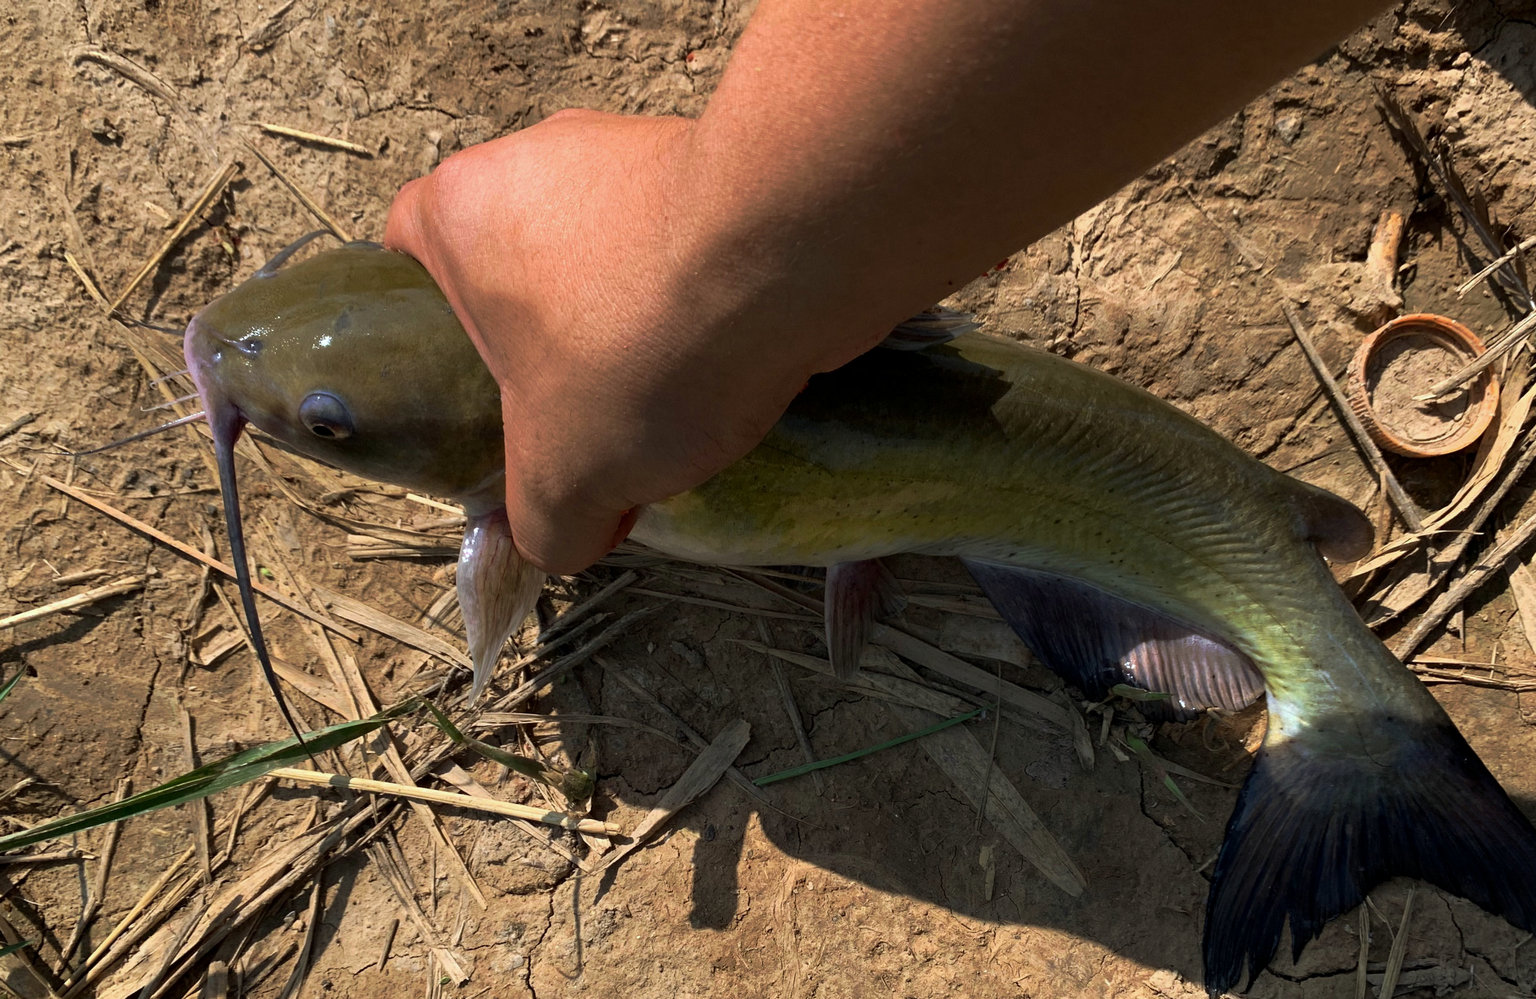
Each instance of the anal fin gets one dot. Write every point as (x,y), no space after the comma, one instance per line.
(497,590)
(1096,640)
(858,594)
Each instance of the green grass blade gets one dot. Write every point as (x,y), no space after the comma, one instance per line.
(806,768)
(1151,759)
(211,778)
(1138,695)
(532,769)
(15,948)
(577,786)
(448,728)
(9,684)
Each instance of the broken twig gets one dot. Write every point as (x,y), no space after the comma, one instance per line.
(453,798)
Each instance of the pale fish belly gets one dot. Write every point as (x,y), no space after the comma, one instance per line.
(660,527)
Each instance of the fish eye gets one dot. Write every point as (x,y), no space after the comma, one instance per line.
(326,416)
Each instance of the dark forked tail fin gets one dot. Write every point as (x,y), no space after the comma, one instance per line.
(1314,831)
(1348,800)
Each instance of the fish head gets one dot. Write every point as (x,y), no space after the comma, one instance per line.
(353,357)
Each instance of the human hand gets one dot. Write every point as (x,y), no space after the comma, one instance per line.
(576,256)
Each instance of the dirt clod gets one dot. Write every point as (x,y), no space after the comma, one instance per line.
(1405,369)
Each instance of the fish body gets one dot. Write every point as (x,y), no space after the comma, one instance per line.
(988,450)
(1123,540)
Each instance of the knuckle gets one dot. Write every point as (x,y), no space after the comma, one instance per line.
(449,177)
(572,114)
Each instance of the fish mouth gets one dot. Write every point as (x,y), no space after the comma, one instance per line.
(204,352)
(195,347)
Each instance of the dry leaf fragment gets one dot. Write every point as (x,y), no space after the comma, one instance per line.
(701,775)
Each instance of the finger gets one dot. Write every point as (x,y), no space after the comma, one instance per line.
(627,521)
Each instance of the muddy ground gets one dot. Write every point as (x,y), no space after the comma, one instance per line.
(876,881)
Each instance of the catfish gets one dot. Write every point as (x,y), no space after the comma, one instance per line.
(1123,540)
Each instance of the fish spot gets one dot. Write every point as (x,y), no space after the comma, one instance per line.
(343,321)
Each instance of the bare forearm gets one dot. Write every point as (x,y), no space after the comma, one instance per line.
(871,156)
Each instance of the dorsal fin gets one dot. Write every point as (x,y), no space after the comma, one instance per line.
(1096,640)
(929,328)
(1335,525)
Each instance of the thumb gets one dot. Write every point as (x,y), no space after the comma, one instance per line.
(566,539)
(560,530)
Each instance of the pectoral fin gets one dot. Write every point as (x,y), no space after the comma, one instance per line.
(497,590)
(858,594)
(1096,640)
(929,329)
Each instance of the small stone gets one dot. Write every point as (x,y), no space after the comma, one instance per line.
(1288,127)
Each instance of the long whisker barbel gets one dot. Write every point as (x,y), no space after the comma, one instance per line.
(169,403)
(193,418)
(165,378)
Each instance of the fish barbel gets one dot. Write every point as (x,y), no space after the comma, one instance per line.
(1123,540)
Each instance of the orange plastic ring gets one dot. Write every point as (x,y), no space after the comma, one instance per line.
(1404,360)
